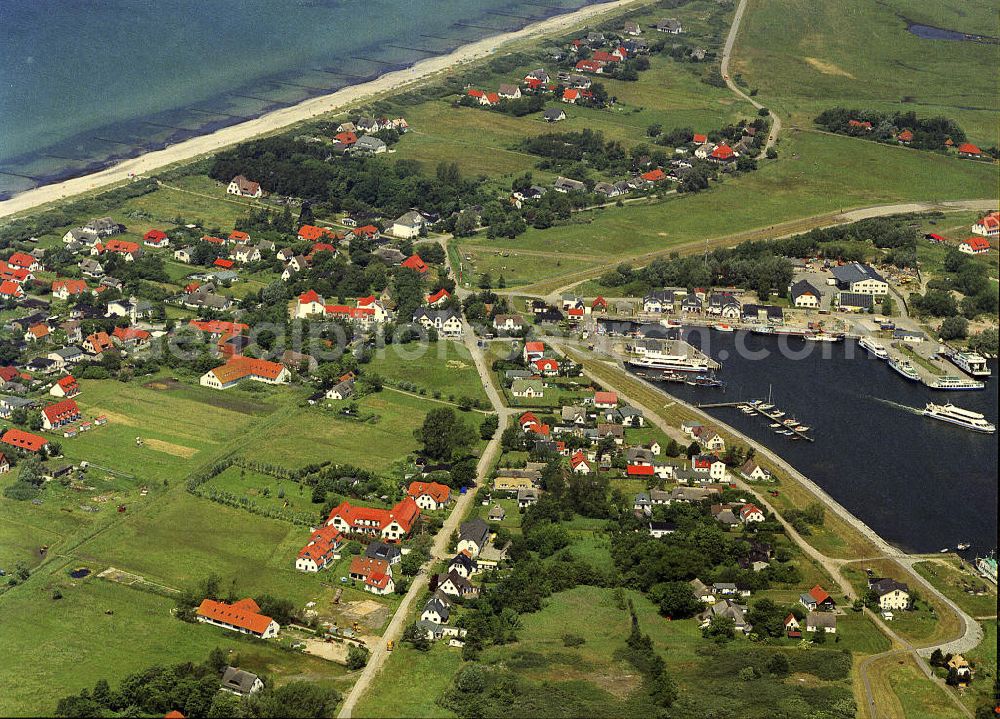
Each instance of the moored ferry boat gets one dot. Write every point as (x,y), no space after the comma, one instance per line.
(874,348)
(824,337)
(670,364)
(952,382)
(970,362)
(958,416)
(723,327)
(904,368)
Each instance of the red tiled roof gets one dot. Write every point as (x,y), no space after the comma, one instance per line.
(240,367)
(438,296)
(239,236)
(365,566)
(74,287)
(967,148)
(819,594)
(126,334)
(68,382)
(905,136)
(10,289)
(546,364)
(313,233)
(21,259)
(100,341)
(61,411)
(723,152)
(977,243)
(347,138)
(605,397)
(244,614)
(640,470)
(534,346)
(654,175)
(599,302)
(526,418)
(365,230)
(700,139)
(154,236)
(473,92)
(438,492)
(23,440)
(224,263)
(219,327)
(122,247)
(213,240)
(415,263)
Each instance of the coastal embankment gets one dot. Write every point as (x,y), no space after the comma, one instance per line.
(285,117)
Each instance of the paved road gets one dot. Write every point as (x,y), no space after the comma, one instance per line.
(971,632)
(439,549)
(727,52)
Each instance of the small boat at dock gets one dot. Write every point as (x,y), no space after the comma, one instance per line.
(874,348)
(903,367)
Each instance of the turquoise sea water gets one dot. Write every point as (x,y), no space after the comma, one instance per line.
(83,82)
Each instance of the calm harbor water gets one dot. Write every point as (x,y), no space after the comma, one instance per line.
(82,84)
(920,483)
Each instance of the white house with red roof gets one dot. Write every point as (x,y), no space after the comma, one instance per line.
(817,598)
(533,351)
(988,225)
(156,238)
(414,262)
(605,400)
(321,550)
(10,290)
(438,298)
(579,463)
(65,288)
(59,414)
(430,495)
(709,464)
(240,368)
(750,513)
(24,261)
(390,525)
(243,616)
(975,246)
(546,366)
(65,387)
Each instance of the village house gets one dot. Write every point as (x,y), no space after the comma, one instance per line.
(156,238)
(508,323)
(65,387)
(988,225)
(447,322)
(825,622)
(64,289)
(753,472)
(527,388)
(974,246)
(858,278)
(430,495)
(437,610)
(709,464)
(375,574)
(389,525)
(408,225)
(386,552)
(817,599)
(750,513)
(455,585)
(241,683)
(727,609)
(59,414)
(244,188)
(320,551)
(24,440)
(440,297)
(671,26)
(243,616)
(238,369)
(342,390)
(463,565)
(805,295)
(890,593)
(473,536)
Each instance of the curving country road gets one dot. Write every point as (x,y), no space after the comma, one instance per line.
(727,52)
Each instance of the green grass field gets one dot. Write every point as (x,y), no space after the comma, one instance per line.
(103,630)
(972,594)
(443,367)
(804,57)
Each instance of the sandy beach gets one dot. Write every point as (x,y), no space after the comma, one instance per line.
(284,117)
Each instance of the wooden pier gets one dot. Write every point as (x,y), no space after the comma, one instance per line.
(774,418)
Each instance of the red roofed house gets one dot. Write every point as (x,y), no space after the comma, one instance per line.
(605,400)
(64,289)
(438,298)
(37,332)
(310,303)
(369,231)
(156,238)
(213,240)
(818,598)
(722,153)
(492,98)
(533,351)
(129,250)
(311,233)
(375,573)
(223,263)
(570,95)
(239,236)
(656,175)
(988,226)
(24,440)
(967,149)
(320,550)
(390,525)
(975,246)
(430,495)
(414,262)
(60,413)
(478,95)
(860,124)
(905,137)
(641,470)
(24,261)
(751,513)
(130,337)
(590,66)
(546,366)
(66,387)
(239,368)
(699,139)
(599,303)
(346,138)
(243,616)
(17,274)
(579,463)
(604,57)
(527,419)
(10,290)
(96,343)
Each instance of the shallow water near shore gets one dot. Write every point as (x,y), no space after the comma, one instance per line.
(84,84)
(921,484)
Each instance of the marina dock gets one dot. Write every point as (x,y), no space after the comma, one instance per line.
(775,415)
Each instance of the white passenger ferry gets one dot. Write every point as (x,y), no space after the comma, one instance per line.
(874,348)
(962,417)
